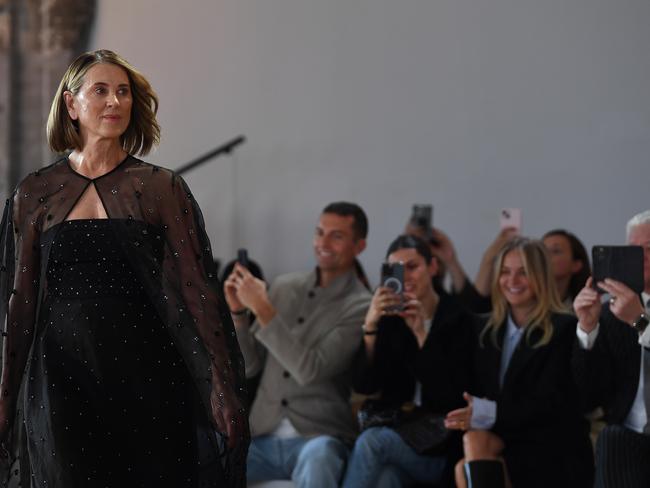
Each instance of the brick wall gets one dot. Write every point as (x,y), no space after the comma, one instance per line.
(47,35)
(4,95)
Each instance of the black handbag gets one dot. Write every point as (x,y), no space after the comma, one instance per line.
(423,431)
(374,413)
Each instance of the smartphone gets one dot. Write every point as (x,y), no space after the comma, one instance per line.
(511,217)
(392,277)
(422,217)
(242,258)
(620,263)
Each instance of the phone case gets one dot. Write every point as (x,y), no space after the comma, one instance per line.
(511,217)
(242,257)
(423,217)
(392,277)
(620,263)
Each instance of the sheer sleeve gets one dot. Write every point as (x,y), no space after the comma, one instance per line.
(19,241)
(191,267)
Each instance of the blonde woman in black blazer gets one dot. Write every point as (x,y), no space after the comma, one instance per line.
(523,412)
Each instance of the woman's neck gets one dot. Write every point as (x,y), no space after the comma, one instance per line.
(430,303)
(520,315)
(97,159)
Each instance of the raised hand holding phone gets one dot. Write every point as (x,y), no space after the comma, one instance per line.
(392,277)
(242,258)
(422,218)
(511,219)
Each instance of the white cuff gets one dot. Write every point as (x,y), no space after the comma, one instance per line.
(484,413)
(585,339)
(644,339)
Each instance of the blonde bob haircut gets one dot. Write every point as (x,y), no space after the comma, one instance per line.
(540,279)
(143,130)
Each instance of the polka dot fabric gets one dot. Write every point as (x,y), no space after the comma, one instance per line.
(158,250)
(105,377)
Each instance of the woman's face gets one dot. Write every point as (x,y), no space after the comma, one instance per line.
(514,283)
(102,106)
(417,274)
(561,257)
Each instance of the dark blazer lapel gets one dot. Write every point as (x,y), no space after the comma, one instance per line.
(493,358)
(522,354)
(444,316)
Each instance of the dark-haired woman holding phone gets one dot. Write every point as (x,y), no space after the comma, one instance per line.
(415,358)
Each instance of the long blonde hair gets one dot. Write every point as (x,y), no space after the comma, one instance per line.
(540,279)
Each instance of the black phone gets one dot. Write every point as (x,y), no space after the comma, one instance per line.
(392,277)
(242,258)
(422,217)
(620,263)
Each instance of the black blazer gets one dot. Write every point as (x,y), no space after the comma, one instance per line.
(441,366)
(538,412)
(608,374)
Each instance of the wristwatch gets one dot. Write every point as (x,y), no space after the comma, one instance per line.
(641,322)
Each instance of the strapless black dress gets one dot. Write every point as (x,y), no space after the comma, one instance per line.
(109,401)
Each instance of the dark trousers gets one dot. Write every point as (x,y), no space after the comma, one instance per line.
(622,458)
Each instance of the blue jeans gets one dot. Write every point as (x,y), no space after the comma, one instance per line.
(381,459)
(316,462)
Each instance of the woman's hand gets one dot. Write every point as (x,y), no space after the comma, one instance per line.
(230,292)
(383,301)
(461,418)
(443,249)
(413,315)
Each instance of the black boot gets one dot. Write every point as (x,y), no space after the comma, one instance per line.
(485,474)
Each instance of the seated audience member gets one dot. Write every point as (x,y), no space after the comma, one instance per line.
(476,295)
(569,262)
(256,270)
(414,356)
(523,409)
(612,367)
(303,341)
(414,228)
(442,250)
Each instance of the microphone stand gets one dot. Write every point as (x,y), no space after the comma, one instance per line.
(225,149)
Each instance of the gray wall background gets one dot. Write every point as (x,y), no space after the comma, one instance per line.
(471,105)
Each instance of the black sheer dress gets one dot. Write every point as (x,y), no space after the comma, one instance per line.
(128,344)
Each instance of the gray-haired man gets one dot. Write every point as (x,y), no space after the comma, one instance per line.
(612,368)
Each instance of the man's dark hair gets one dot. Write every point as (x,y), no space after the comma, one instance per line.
(345,209)
(407,241)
